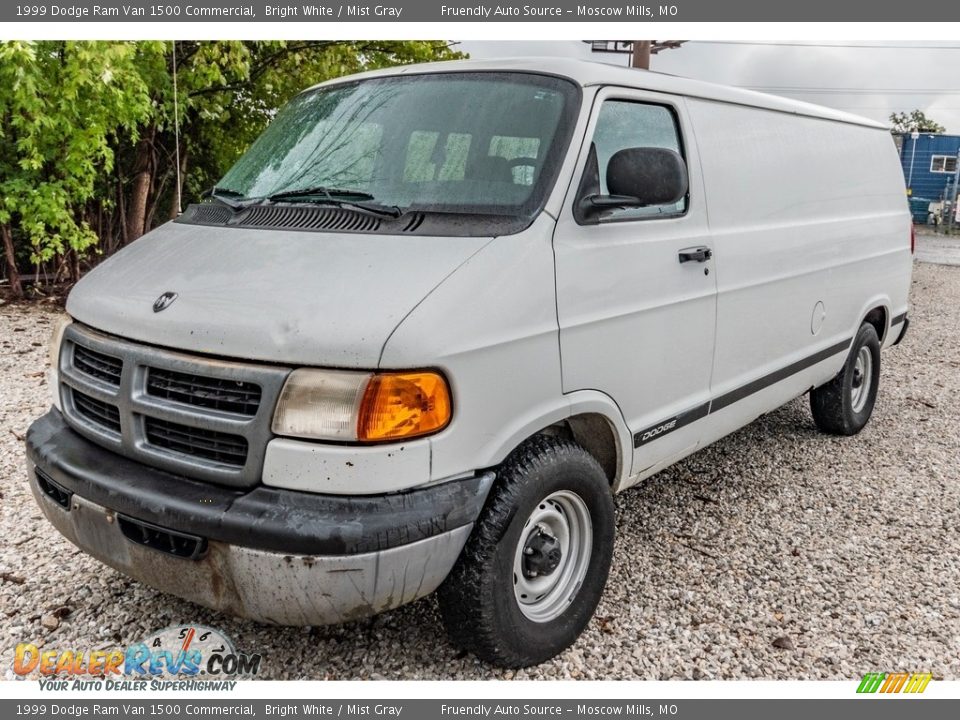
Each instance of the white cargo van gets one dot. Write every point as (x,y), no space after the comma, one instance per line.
(420,334)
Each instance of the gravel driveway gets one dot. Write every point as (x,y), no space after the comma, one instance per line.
(776,553)
(940,249)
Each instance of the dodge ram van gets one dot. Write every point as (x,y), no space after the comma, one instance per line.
(436,316)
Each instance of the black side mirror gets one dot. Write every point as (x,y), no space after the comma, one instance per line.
(639,177)
(654,176)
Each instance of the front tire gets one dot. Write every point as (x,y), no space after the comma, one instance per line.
(844,405)
(534,568)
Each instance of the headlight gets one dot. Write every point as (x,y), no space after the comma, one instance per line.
(56,340)
(360,406)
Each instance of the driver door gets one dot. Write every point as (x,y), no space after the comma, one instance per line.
(637,321)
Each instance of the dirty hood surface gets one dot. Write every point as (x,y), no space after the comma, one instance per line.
(307,298)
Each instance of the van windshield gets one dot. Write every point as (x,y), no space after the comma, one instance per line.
(481,143)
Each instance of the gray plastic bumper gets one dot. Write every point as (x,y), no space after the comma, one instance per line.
(282,557)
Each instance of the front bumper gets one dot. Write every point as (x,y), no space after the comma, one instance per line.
(272,555)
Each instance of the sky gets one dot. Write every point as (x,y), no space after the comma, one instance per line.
(857,77)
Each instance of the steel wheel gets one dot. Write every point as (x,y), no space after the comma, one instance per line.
(862,379)
(546,532)
(844,405)
(553,556)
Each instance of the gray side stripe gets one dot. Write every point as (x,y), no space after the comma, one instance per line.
(667,426)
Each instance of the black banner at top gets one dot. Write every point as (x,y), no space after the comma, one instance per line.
(465,11)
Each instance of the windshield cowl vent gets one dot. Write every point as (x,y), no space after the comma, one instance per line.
(328,218)
(209,214)
(415,221)
(308,218)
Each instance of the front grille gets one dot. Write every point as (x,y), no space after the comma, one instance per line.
(198,417)
(97,412)
(233,396)
(97,365)
(210,445)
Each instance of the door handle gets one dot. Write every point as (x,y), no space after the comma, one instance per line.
(696,254)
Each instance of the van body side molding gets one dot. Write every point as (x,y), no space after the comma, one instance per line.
(668,426)
(782,374)
(699,412)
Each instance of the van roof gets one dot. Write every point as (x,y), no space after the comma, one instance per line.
(587,73)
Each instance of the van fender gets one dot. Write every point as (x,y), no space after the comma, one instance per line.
(878,300)
(563,408)
(875,301)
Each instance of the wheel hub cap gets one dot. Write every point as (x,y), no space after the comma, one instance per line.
(542,554)
(552,556)
(862,379)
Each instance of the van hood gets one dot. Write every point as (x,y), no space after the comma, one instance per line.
(304,298)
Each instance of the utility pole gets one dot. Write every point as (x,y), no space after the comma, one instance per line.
(951,198)
(641,54)
(638,50)
(914,135)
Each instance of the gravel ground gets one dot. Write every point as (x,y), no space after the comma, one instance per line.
(776,553)
(935,248)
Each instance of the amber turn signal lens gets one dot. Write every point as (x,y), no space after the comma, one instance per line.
(403,405)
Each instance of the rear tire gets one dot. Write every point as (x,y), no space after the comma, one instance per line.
(844,405)
(534,568)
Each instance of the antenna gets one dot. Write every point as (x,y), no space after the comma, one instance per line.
(176,127)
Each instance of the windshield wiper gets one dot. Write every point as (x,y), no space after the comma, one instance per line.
(322,191)
(224,195)
(358,200)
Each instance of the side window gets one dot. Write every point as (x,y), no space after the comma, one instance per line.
(624,124)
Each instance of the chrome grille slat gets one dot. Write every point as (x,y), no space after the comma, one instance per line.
(234,396)
(208,444)
(97,365)
(199,417)
(150,406)
(71,377)
(97,411)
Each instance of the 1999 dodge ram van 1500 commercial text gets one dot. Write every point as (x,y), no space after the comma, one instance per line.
(437,315)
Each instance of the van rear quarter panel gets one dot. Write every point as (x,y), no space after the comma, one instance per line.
(801,210)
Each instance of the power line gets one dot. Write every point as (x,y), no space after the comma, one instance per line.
(826,45)
(892,108)
(853,91)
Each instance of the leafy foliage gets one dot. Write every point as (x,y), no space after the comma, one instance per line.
(87,143)
(916,120)
(61,107)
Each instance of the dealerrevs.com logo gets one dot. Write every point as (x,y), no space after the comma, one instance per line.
(899,682)
(183,657)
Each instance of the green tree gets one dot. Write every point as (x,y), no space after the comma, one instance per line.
(903,123)
(227,93)
(87,143)
(61,106)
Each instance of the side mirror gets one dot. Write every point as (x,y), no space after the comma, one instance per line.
(654,176)
(639,177)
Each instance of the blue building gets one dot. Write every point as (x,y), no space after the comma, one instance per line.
(929,169)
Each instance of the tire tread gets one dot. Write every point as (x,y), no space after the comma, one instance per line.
(466,598)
